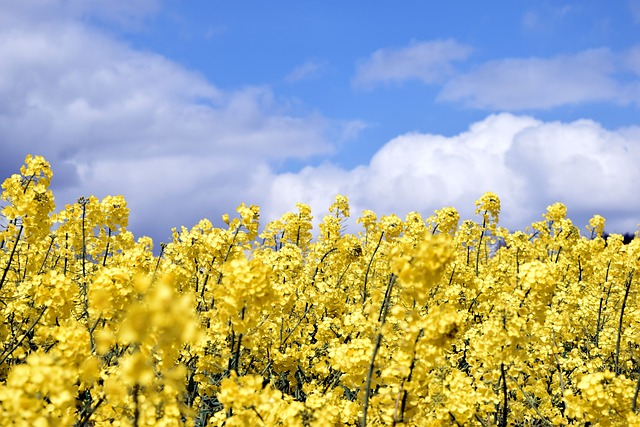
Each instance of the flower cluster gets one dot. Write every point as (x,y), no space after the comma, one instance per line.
(415,321)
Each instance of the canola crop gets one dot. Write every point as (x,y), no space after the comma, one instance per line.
(410,322)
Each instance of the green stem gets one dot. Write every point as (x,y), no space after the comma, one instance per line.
(531,403)
(44,261)
(624,304)
(87,415)
(503,378)
(7,353)
(367,387)
(226,257)
(136,408)
(600,308)
(382,318)
(106,250)
(634,403)
(13,251)
(83,203)
(385,301)
(366,274)
(484,224)
(155,271)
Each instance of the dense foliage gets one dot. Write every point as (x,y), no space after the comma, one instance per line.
(415,322)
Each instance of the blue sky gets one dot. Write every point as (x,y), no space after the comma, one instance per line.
(188,108)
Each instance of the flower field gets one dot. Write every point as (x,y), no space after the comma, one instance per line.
(418,321)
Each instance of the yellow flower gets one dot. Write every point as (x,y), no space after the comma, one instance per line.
(225,328)
(420,267)
(556,212)
(489,205)
(596,225)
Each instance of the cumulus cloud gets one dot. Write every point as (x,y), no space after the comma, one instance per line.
(429,62)
(116,120)
(530,164)
(542,83)
(112,119)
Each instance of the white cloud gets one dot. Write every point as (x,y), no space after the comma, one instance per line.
(175,190)
(631,61)
(530,164)
(634,7)
(305,71)
(546,17)
(112,119)
(429,62)
(126,13)
(120,11)
(541,83)
(513,84)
